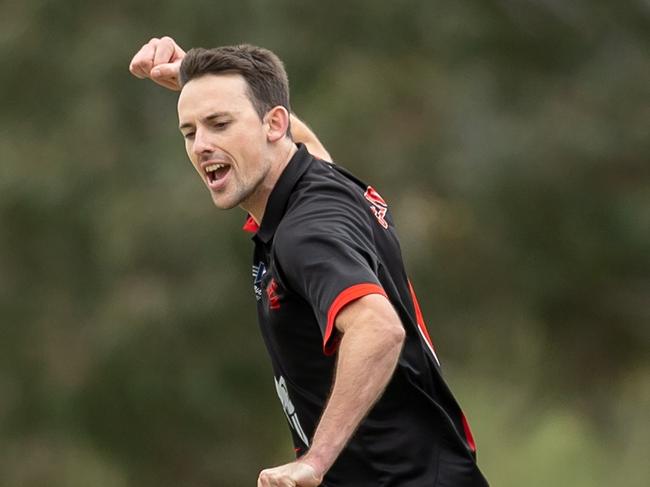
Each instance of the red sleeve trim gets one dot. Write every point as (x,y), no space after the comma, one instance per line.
(250,225)
(344,298)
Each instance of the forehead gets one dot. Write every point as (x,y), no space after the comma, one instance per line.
(213,93)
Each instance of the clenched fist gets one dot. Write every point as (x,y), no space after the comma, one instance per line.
(294,474)
(159,60)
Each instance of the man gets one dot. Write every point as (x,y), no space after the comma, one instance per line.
(354,367)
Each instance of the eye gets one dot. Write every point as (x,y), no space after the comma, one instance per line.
(221,125)
(188,135)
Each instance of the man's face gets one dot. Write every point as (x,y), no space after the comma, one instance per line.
(224,137)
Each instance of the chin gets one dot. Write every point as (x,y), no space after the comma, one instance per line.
(225,203)
(224,206)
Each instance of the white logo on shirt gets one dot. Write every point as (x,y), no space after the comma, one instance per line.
(289,409)
(258,273)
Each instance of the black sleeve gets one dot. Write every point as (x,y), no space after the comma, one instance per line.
(327,256)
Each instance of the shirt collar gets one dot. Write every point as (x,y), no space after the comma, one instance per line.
(279,197)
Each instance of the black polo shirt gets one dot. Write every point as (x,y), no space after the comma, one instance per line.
(327,239)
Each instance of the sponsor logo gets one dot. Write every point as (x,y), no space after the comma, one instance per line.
(378,206)
(289,409)
(258,273)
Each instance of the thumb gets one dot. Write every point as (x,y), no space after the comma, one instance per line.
(169,70)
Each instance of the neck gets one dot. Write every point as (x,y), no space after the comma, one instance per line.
(255,204)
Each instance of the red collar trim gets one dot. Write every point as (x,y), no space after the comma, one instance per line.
(250,225)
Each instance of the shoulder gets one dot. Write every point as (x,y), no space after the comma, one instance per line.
(324,204)
(324,215)
(325,194)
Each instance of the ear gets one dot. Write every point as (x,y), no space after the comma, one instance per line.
(277,119)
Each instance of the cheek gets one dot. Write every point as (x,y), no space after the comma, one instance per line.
(251,147)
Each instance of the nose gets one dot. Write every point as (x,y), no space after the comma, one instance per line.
(201,144)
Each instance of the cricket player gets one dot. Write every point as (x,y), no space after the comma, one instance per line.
(354,366)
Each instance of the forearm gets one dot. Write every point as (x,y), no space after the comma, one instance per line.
(302,133)
(366,361)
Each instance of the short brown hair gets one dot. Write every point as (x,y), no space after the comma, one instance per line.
(268,85)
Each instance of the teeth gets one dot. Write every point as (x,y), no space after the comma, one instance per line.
(214,167)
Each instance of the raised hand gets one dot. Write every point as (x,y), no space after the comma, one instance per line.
(160,61)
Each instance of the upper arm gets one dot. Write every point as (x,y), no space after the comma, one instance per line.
(372,312)
(302,133)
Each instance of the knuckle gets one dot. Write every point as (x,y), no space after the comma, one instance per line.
(153,40)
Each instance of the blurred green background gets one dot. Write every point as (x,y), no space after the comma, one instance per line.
(511,138)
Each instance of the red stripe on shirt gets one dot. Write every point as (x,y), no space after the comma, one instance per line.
(344,298)
(468,433)
(419,317)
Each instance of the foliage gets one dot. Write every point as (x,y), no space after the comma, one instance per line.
(511,140)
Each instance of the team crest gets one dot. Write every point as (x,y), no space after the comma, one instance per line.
(378,206)
(272,295)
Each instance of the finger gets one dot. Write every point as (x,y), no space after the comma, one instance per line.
(266,479)
(167,75)
(142,62)
(178,52)
(166,71)
(164,51)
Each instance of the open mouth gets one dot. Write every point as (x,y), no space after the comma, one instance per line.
(216,172)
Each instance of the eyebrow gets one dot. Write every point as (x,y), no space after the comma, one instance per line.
(209,118)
